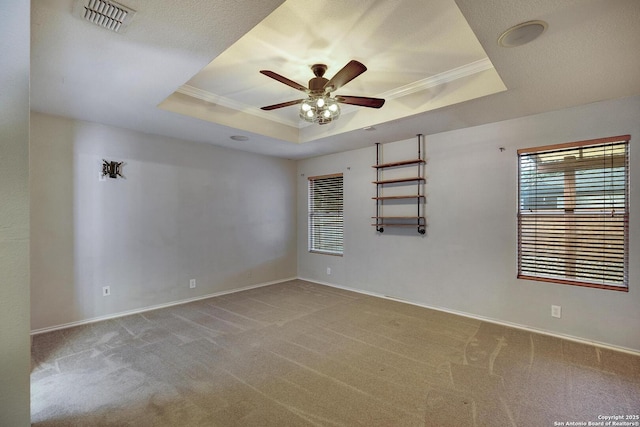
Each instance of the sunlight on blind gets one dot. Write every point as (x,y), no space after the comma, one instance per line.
(573,213)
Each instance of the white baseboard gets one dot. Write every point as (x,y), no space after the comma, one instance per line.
(154,307)
(346,288)
(484,319)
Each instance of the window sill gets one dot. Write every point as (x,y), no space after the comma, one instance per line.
(325,253)
(570,282)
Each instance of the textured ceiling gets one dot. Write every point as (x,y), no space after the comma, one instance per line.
(588,54)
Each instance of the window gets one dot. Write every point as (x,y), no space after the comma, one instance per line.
(573,215)
(326,214)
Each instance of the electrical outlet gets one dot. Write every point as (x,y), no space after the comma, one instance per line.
(192,283)
(106,291)
(328,271)
(556,311)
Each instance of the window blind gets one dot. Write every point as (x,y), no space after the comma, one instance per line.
(326,214)
(573,216)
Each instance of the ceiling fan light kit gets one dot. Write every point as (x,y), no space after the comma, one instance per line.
(320,107)
(321,110)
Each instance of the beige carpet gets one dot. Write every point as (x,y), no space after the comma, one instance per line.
(302,354)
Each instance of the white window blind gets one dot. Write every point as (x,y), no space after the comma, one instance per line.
(573,215)
(326,214)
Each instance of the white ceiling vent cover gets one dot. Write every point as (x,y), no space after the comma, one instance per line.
(105,13)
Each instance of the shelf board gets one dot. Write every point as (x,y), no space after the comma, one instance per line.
(397,217)
(392,181)
(399,225)
(402,163)
(414,196)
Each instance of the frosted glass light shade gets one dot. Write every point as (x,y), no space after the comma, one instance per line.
(321,110)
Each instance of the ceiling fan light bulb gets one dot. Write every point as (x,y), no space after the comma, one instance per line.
(321,110)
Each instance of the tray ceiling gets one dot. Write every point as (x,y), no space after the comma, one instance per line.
(416,61)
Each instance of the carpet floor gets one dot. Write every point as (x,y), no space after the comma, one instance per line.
(303,354)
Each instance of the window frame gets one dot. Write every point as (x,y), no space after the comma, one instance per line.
(571,211)
(313,245)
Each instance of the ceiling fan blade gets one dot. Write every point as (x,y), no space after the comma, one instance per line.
(362,101)
(284,80)
(349,72)
(282,104)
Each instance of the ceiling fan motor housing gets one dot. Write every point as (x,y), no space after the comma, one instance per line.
(317,84)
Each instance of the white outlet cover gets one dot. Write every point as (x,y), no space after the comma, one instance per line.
(192,283)
(556,311)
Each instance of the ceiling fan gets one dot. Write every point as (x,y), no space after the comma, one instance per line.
(319,106)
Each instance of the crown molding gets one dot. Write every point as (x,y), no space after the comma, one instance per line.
(212,98)
(411,88)
(439,79)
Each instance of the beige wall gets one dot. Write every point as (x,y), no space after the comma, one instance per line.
(183,211)
(466,262)
(14,213)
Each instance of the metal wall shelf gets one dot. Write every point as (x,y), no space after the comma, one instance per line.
(381,220)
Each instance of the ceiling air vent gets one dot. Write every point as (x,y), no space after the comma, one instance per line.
(104,13)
